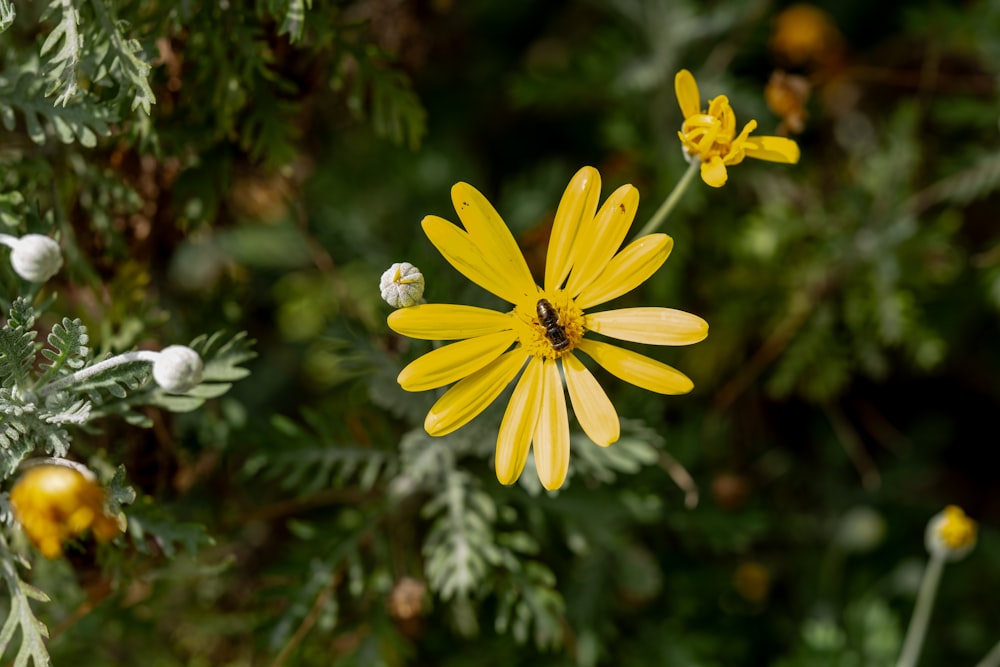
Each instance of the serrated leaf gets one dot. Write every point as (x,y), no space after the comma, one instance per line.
(7,14)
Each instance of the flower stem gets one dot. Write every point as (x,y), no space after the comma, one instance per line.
(671,201)
(921,612)
(99,367)
(992,658)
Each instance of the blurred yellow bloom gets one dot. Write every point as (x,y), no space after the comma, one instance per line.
(547,327)
(806,35)
(957,530)
(710,136)
(55,503)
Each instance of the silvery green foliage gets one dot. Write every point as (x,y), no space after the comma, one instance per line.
(40,402)
(34,409)
(33,632)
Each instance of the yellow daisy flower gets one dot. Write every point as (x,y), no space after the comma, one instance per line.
(711,136)
(54,503)
(547,327)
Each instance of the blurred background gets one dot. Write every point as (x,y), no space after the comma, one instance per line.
(846,393)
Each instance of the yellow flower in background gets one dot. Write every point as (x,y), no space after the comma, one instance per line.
(710,136)
(547,328)
(951,534)
(55,503)
(806,35)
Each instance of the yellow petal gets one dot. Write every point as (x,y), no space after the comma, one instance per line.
(462,252)
(627,270)
(636,368)
(688,96)
(654,326)
(591,405)
(440,321)
(773,149)
(576,209)
(597,242)
(460,404)
(518,425)
(713,172)
(551,441)
(454,362)
(491,235)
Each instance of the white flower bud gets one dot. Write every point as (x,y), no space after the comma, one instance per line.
(35,257)
(402,285)
(950,534)
(178,369)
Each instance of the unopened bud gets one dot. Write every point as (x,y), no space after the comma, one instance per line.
(402,285)
(178,369)
(35,257)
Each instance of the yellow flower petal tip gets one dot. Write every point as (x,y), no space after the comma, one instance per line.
(709,135)
(585,267)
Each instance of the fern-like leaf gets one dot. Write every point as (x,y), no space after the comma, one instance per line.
(460,548)
(124,58)
(150,524)
(310,460)
(84,121)
(64,63)
(69,348)
(17,346)
(7,14)
(530,601)
(33,632)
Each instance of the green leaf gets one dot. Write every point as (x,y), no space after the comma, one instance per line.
(83,121)
(151,524)
(7,13)
(124,59)
(20,617)
(460,549)
(64,63)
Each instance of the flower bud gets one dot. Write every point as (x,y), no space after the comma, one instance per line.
(55,503)
(178,369)
(402,285)
(35,257)
(950,534)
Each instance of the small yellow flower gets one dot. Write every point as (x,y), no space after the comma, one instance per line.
(55,503)
(951,533)
(547,327)
(710,136)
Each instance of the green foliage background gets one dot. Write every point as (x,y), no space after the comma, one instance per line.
(255,167)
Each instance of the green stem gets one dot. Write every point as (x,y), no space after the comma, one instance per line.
(921,612)
(992,658)
(671,201)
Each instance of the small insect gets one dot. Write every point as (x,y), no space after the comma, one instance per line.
(549,318)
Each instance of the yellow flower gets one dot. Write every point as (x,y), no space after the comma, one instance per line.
(951,533)
(55,503)
(806,35)
(711,136)
(547,327)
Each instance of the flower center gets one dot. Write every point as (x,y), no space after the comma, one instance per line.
(551,326)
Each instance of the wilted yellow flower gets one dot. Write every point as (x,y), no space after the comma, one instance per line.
(547,327)
(55,503)
(786,95)
(710,136)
